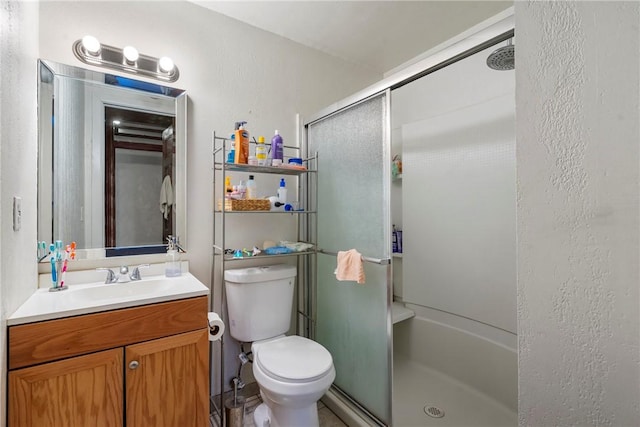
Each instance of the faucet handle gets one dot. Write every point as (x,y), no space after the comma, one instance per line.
(135,274)
(111,276)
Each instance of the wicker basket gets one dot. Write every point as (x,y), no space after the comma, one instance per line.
(245,205)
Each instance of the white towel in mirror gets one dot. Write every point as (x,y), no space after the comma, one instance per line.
(166,196)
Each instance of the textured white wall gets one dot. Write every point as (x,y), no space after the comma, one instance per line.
(577,74)
(18,152)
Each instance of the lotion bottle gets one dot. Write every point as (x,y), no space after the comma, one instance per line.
(241,144)
(277,149)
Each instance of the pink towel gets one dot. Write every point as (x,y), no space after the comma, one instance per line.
(350,266)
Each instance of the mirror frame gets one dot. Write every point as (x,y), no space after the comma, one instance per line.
(48,71)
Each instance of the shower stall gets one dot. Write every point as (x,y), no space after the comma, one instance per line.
(354,141)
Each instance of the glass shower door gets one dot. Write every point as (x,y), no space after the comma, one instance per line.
(353,320)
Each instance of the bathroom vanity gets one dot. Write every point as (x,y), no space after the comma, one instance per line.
(146,364)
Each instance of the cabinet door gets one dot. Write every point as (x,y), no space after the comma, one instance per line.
(75,392)
(167,381)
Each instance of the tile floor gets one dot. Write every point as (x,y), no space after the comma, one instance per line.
(415,387)
(327,418)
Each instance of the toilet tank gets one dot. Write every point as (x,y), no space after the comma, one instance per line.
(259,301)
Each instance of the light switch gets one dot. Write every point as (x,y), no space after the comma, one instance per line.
(17,213)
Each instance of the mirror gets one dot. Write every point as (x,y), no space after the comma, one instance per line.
(111,162)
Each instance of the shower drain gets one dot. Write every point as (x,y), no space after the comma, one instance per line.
(433,411)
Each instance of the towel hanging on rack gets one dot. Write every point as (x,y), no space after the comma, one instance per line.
(350,266)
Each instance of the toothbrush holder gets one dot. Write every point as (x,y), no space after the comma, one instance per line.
(58,283)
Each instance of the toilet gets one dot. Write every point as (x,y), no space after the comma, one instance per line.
(293,372)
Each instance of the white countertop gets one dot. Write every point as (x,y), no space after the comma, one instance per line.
(97,296)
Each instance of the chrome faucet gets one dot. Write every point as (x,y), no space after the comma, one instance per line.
(135,274)
(124,276)
(111,276)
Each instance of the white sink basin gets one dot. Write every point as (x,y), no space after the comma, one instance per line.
(98,296)
(140,288)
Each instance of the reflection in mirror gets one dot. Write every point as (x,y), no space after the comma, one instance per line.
(111,162)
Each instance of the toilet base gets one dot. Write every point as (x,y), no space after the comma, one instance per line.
(261,416)
(264,416)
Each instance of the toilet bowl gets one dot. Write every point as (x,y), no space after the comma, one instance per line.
(293,374)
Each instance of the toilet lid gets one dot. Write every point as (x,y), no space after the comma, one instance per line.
(294,358)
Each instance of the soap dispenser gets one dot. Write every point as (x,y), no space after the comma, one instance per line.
(172,265)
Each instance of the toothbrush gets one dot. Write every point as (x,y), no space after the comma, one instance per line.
(58,250)
(54,277)
(64,264)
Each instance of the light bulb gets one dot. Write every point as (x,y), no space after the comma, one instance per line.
(91,45)
(166,64)
(131,54)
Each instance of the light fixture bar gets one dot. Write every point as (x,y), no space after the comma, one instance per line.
(113,57)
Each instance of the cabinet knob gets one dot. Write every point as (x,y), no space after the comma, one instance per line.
(134,364)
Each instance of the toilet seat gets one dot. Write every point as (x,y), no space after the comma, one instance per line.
(293,359)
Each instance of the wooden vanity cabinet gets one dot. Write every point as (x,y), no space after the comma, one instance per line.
(146,377)
(79,391)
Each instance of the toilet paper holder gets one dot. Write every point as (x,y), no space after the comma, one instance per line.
(215,325)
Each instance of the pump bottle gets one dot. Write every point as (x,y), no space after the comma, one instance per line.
(241,144)
(172,265)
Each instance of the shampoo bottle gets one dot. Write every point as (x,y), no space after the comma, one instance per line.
(242,144)
(282,192)
(394,240)
(261,152)
(277,149)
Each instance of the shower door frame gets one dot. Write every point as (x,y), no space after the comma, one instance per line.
(486,34)
(309,230)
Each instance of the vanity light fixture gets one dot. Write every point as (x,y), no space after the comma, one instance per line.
(91,45)
(130,54)
(90,51)
(165,64)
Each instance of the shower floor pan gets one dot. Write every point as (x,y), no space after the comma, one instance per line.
(417,387)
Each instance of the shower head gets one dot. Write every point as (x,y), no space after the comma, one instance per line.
(503,58)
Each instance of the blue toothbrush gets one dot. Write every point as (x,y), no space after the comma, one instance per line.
(54,276)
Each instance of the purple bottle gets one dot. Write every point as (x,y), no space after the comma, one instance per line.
(277,148)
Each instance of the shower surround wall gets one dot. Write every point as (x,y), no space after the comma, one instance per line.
(457,130)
